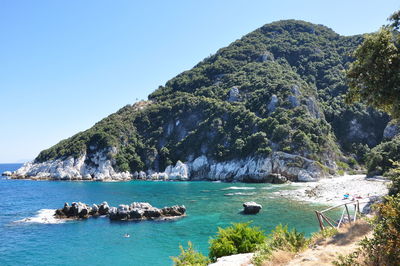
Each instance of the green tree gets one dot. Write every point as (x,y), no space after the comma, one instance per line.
(374,77)
(238,238)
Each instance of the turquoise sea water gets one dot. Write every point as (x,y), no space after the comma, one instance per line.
(101,242)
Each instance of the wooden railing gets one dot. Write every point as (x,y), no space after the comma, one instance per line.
(324,220)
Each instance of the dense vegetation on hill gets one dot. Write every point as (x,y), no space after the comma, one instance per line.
(279,88)
(374,79)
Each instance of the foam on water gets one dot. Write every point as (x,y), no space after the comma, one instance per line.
(43,216)
(240,194)
(238,188)
(268,188)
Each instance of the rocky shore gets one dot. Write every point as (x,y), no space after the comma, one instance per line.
(279,167)
(331,191)
(137,211)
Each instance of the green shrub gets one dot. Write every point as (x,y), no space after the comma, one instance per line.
(342,165)
(280,238)
(340,172)
(292,240)
(190,257)
(394,175)
(347,260)
(378,160)
(238,238)
(322,234)
(384,247)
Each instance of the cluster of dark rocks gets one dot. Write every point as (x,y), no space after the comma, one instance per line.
(82,210)
(135,211)
(144,211)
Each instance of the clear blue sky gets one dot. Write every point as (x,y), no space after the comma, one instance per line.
(64,65)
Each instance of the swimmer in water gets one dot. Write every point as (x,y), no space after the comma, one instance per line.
(127,235)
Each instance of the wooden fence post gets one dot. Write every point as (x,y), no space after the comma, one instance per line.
(348,214)
(321,225)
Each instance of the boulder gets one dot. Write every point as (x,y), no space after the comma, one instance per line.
(266,56)
(294,102)
(277,178)
(87,177)
(135,175)
(84,213)
(112,212)
(273,103)
(104,208)
(313,107)
(152,213)
(391,130)
(76,210)
(66,207)
(7,173)
(95,210)
(142,175)
(141,205)
(251,207)
(136,214)
(179,172)
(234,95)
(120,213)
(305,176)
(174,210)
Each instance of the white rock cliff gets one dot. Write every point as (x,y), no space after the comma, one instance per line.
(97,167)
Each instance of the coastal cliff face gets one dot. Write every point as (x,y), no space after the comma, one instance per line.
(277,168)
(267,108)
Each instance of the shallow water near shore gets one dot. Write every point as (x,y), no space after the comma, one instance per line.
(99,241)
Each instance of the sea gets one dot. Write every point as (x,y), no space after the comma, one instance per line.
(29,235)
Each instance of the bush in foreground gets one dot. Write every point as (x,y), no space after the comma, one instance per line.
(190,257)
(281,238)
(238,238)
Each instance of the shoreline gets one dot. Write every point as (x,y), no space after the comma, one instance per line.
(330,191)
(327,191)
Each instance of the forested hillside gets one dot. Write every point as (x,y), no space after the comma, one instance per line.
(279,88)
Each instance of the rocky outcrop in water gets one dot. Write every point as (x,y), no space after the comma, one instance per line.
(251,207)
(7,173)
(144,211)
(136,211)
(79,210)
